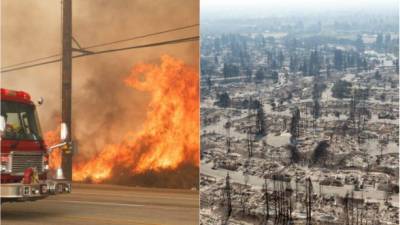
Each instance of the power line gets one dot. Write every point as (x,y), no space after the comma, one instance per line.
(194,38)
(30,61)
(104,44)
(175,41)
(142,36)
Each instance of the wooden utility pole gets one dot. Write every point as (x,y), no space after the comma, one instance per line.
(66,82)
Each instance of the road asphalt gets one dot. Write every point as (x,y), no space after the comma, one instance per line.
(107,204)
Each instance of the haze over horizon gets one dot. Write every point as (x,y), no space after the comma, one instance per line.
(263,8)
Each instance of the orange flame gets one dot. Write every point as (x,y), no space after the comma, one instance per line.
(170,134)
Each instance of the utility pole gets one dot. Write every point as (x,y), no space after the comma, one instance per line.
(66,83)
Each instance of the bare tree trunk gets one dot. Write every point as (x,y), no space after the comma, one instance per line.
(352,208)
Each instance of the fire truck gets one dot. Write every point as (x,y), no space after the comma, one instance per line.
(24,154)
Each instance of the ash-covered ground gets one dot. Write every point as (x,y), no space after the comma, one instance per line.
(300,124)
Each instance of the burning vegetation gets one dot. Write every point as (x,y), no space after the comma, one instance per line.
(166,149)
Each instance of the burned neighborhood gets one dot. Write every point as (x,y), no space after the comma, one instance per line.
(299,120)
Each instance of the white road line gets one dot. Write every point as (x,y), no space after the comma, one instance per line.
(97,203)
(122,204)
(133,195)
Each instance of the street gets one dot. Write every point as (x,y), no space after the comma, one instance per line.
(107,204)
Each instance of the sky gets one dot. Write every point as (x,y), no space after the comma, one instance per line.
(242,8)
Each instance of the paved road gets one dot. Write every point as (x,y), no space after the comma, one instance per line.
(107,204)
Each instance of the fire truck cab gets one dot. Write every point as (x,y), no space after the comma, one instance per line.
(24,155)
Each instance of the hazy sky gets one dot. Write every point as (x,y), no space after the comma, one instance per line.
(276,7)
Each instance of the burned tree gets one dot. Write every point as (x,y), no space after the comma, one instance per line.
(346,209)
(246,177)
(243,200)
(209,83)
(264,149)
(318,88)
(351,209)
(227,126)
(249,144)
(204,142)
(228,199)
(294,153)
(383,141)
(352,108)
(260,120)
(294,124)
(249,139)
(353,112)
(223,101)
(358,113)
(316,109)
(341,89)
(320,153)
(309,193)
(266,202)
(281,198)
(295,132)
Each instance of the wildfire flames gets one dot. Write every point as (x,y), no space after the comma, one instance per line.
(170,134)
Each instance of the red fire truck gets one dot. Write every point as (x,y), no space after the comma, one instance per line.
(24,155)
